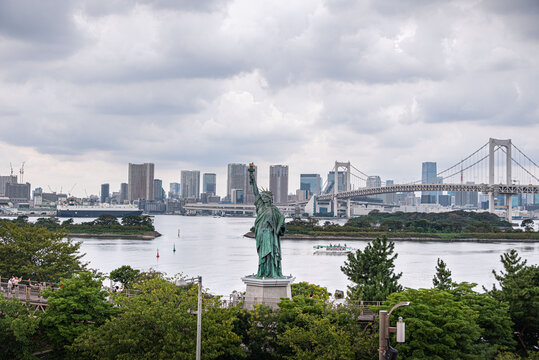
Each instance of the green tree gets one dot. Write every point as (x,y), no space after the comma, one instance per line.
(442,279)
(136,220)
(159,323)
(512,263)
(519,288)
(17,330)
(124,274)
(309,290)
(438,325)
(527,224)
(79,304)
(308,328)
(132,220)
(372,271)
(68,222)
(106,220)
(258,330)
(493,318)
(33,252)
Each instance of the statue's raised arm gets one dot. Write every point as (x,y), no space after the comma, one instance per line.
(252,179)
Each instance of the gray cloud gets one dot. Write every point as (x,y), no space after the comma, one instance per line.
(203,83)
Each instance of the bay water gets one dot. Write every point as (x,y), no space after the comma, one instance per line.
(215,248)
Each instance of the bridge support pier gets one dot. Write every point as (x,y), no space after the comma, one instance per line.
(509,203)
(348,208)
(492,143)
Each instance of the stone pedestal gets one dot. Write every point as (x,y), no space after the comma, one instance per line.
(266,291)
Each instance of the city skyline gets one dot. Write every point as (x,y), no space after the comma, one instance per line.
(91,87)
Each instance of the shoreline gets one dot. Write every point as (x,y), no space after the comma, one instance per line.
(396,239)
(146,236)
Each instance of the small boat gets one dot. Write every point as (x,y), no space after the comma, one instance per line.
(174,248)
(332,249)
(178,232)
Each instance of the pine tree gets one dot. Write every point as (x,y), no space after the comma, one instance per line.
(512,263)
(372,271)
(442,280)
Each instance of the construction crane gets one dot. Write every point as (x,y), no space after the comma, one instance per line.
(21,171)
(70,191)
(52,191)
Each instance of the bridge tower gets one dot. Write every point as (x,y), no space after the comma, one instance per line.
(346,183)
(492,143)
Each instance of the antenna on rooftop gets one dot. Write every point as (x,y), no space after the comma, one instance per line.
(21,171)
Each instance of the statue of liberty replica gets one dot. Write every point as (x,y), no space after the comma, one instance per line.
(269,285)
(269,227)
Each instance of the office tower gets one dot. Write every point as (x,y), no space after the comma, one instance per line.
(190,184)
(140,181)
(374,181)
(444,200)
(463,198)
(174,191)
(238,178)
(158,192)
(18,192)
(105,193)
(428,176)
(341,182)
(209,183)
(311,183)
(124,192)
(237,196)
(390,198)
(8,179)
(279,183)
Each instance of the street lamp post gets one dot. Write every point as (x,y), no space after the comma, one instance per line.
(185,282)
(385,329)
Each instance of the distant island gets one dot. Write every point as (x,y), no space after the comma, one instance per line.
(455,225)
(105,226)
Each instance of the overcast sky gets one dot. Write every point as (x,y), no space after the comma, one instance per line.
(88,86)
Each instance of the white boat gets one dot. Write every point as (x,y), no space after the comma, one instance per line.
(332,249)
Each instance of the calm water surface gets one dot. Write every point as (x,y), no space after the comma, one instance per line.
(216,249)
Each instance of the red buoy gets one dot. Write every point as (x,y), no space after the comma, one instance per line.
(157,252)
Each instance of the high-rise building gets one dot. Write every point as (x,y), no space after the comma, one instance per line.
(279,183)
(174,191)
(8,179)
(209,183)
(18,192)
(374,181)
(158,192)
(105,193)
(238,178)
(311,183)
(428,176)
(464,198)
(190,184)
(237,196)
(140,181)
(341,182)
(124,192)
(390,198)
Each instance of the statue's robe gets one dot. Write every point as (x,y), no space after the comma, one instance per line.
(269,227)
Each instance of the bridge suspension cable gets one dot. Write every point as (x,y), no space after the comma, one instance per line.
(454,166)
(526,156)
(359,171)
(522,167)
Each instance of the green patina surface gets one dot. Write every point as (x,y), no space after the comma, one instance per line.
(269,227)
